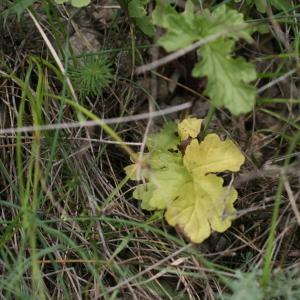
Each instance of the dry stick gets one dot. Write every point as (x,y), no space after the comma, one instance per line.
(99,141)
(277,29)
(183,51)
(117,120)
(277,80)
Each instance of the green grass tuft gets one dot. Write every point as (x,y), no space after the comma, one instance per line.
(92,76)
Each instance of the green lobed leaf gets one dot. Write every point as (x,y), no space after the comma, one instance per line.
(137,11)
(145,24)
(165,178)
(229,20)
(136,8)
(182,29)
(228,78)
(164,140)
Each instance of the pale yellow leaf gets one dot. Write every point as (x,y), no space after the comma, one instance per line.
(195,200)
(189,127)
(202,206)
(212,155)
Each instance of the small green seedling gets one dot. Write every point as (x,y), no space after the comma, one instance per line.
(92,76)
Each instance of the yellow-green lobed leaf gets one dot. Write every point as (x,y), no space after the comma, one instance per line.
(166,176)
(194,199)
(202,206)
(189,127)
(164,140)
(212,155)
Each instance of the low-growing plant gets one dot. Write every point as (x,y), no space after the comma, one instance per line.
(180,178)
(92,75)
(228,77)
(246,285)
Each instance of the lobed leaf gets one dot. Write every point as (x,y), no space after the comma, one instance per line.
(182,29)
(201,206)
(165,139)
(183,185)
(189,127)
(216,156)
(137,11)
(228,78)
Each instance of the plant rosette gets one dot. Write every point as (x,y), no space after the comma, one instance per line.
(180,178)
